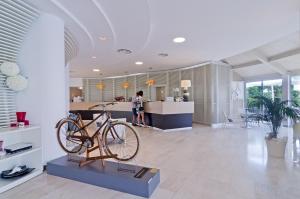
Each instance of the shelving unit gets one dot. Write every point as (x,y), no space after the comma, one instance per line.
(31,158)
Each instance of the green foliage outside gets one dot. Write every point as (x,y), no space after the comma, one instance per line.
(295,95)
(252,93)
(257,91)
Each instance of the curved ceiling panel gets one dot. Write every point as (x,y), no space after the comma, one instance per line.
(71,47)
(213,30)
(131,22)
(75,19)
(99,7)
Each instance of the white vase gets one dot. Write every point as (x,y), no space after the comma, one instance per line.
(276,147)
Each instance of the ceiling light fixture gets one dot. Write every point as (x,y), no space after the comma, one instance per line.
(124,51)
(94,57)
(179,40)
(96,70)
(103,38)
(139,63)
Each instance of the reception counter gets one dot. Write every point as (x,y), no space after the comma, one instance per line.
(162,115)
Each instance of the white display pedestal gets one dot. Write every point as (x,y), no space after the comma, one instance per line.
(31,158)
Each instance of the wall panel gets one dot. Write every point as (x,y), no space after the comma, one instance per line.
(119,90)
(174,82)
(108,91)
(132,85)
(141,85)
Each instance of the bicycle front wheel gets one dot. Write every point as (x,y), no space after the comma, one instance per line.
(121,139)
(66,130)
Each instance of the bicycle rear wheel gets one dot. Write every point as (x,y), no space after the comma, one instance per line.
(121,139)
(66,129)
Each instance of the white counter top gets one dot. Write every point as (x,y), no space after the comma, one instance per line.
(169,107)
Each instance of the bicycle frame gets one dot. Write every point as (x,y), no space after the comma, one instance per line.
(96,135)
(97,132)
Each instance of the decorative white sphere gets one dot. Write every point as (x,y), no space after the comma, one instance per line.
(16,83)
(9,69)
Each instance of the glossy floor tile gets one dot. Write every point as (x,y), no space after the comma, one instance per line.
(230,163)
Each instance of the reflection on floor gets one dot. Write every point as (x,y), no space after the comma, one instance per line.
(206,163)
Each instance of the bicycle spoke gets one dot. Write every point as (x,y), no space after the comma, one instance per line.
(66,130)
(125,144)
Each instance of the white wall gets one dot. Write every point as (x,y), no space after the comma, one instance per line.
(41,58)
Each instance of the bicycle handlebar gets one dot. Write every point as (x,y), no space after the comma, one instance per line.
(102,105)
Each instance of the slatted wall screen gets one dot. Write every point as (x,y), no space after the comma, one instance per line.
(92,93)
(119,90)
(199,94)
(131,89)
(16,18)
(141,85)
(159,78)
(108,94)
(85,90)
(7,104)
(71,46)
(224,90)
(173,82)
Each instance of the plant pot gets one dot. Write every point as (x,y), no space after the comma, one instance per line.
(276,147)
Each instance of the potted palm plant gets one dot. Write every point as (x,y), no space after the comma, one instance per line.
(274,111)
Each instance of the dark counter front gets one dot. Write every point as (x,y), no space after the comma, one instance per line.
(88,115)
(160,121)
(172,121)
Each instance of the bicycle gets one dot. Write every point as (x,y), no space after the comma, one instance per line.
(116,139)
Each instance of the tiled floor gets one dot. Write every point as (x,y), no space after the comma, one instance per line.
(202,163)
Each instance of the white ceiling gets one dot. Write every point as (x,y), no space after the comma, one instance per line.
(213,30)
(283,53)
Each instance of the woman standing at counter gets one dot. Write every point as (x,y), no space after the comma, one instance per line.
(140,108)
(134,109)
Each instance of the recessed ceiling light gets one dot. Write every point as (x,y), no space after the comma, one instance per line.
(139,63)
(96,70)
(102,38)
(124,51)
(94,57)
(163,55)
(179,40)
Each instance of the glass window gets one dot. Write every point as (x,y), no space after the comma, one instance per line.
(295,90)
(253,89)
(269,88)
(272,88)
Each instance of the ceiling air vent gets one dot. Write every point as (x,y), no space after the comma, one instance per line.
(163,55)
(124,51)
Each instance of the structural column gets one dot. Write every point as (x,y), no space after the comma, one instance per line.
(42,60)
(286,91)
